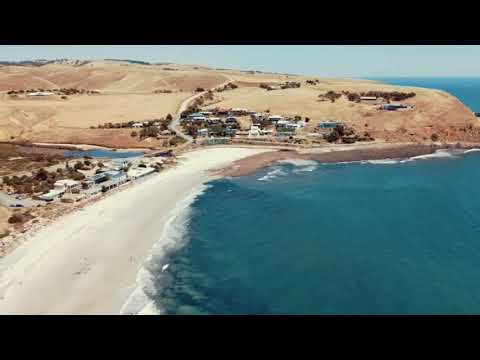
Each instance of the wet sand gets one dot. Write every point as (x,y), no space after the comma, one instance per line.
(338,153)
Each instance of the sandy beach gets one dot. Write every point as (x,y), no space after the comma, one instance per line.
(87,262)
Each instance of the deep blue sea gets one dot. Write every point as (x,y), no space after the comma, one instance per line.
(359,238)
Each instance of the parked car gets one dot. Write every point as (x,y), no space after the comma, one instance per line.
(16,205)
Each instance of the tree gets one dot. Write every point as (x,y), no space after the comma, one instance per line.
(169,117)
(333,136)
(434,137)
(78,165)
(149,131)
(133,134)
(42,174)
(100,164)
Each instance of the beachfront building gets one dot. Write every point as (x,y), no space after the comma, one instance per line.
(98,178)
(139,172)
(51,195)
(137,125)
(67,185)
(116,178)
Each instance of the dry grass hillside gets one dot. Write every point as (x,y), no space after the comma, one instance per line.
(126,94)
(435,112)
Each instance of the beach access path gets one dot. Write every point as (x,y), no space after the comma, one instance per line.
(87,262)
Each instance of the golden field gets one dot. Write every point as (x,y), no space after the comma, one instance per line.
(126,94)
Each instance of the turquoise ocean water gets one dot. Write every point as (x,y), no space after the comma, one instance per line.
(391,237)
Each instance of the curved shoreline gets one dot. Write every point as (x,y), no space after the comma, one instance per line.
(87,261)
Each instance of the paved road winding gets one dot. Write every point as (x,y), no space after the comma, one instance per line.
(175,124)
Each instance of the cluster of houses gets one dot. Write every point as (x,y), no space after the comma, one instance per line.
(383,104)
(264,124)
(225,122)
(118,174)
(214,122)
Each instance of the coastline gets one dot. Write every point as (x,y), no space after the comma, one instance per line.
(87,262)
(339,154)
(91,261)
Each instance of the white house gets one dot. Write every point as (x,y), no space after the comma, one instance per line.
(139,172)
(254,131)
(66,185)
(137,125)
(52,194)
(368,98)
(40,93)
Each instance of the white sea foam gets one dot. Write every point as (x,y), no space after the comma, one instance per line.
(441,153)
(470,151)
(276,172)
(383,162)
(173,236)
(298,162)
(305,168)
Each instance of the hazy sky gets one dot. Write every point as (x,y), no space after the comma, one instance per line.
(321,60)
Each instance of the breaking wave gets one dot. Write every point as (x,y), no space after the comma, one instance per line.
(298,162)
(276,172)
(471,150)
(173,236)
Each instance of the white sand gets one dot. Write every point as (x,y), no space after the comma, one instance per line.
(87,262)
